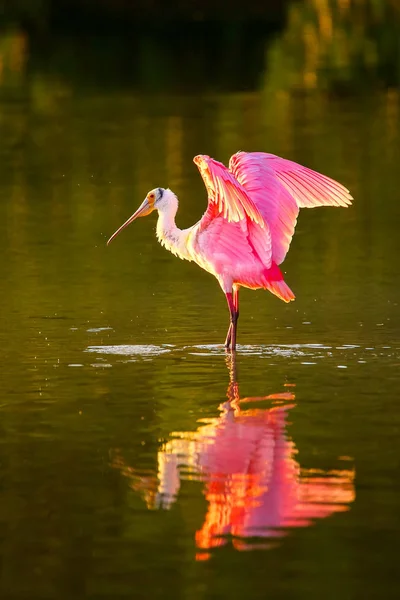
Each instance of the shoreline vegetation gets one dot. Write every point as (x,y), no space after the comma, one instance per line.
(336,46)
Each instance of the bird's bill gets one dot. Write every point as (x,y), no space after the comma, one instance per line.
(144,209)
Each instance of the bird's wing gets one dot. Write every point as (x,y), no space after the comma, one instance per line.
(307,187)
(226,197)
(279,187)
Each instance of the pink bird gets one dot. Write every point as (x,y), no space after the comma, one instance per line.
(247,228)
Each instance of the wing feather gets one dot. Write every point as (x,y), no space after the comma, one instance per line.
(318,192)
(267,190)
(316,189)
(279,187)
(226,196)
(276,204)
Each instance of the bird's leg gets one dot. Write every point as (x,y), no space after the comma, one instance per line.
(236,301)
(233,304)
(228,336)
(229,299)
(236,307)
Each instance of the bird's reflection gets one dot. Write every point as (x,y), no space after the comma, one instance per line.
(254,486)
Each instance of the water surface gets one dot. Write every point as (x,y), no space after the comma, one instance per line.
(135,459)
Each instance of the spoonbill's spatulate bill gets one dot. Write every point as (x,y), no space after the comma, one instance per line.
(247,228)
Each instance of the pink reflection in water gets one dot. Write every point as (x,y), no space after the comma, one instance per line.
(254,486)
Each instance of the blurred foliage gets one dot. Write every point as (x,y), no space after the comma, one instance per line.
(334,45)
(338,44)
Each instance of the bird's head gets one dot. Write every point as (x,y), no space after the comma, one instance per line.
(157,199)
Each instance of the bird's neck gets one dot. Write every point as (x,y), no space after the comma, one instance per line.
(169,235)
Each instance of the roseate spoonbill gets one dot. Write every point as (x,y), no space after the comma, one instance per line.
(247,228)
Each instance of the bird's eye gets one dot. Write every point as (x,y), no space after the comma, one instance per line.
(151,197)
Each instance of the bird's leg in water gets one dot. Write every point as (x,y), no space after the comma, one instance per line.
(233,303)
(228,337)
(236,305)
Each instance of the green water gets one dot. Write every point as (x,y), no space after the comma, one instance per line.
(118,446)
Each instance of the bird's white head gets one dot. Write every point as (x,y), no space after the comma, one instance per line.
(163,200)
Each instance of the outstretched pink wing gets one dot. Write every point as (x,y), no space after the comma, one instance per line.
(279,187)
(232,235)
(226,197)
(307,187)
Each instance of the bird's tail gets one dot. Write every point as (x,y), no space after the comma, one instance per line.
(274,283)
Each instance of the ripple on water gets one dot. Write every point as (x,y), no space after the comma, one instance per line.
(307,353)
(130,350)
(284,350)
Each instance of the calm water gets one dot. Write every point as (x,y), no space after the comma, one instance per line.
(135,459)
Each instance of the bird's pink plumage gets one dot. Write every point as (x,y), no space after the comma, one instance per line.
(251,216)
(249,223)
